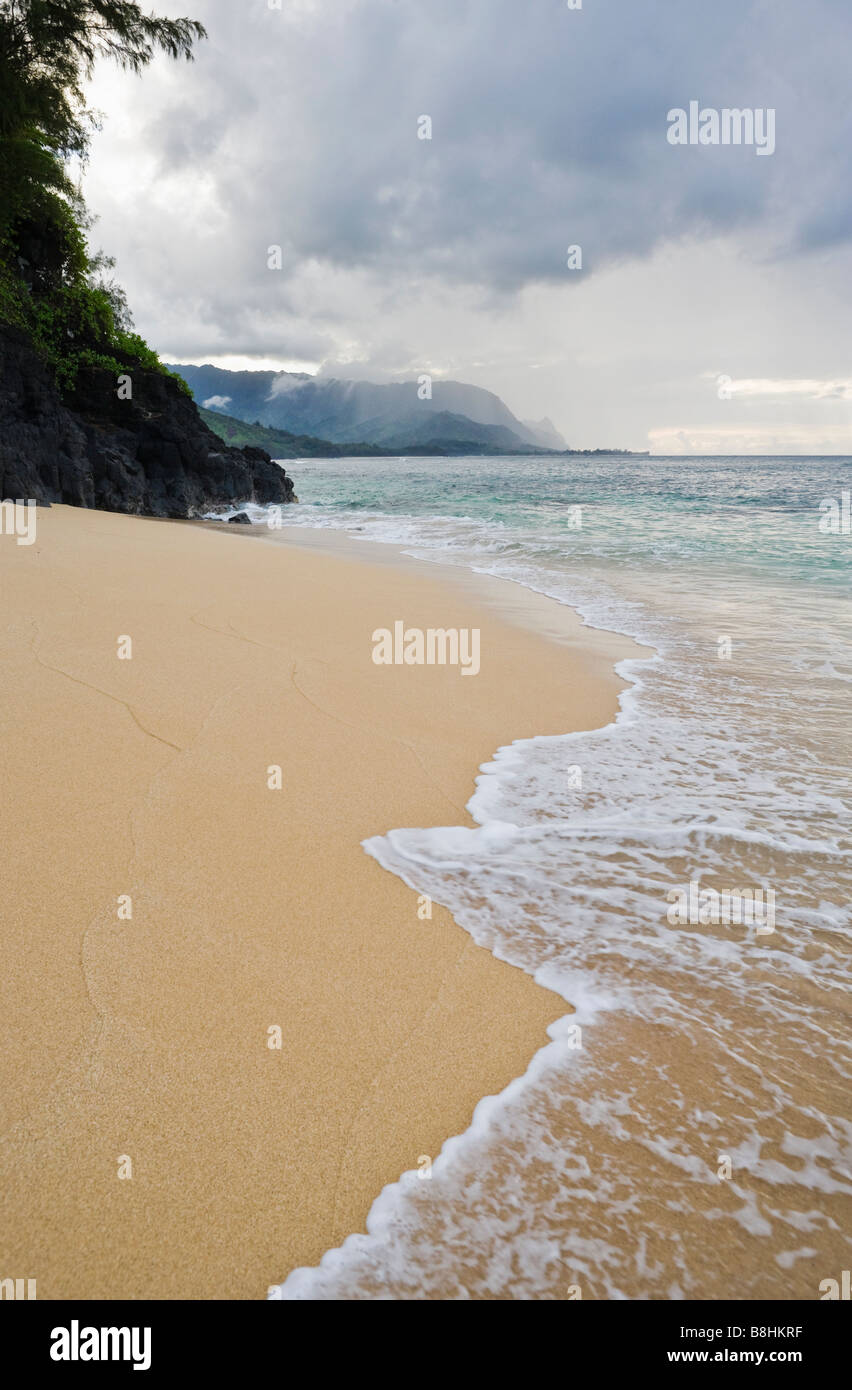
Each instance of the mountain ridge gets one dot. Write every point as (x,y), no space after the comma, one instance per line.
(396,414)
(283,444)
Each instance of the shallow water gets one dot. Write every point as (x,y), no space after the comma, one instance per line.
(687,1132)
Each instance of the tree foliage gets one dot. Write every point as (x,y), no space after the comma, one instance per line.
(49,283)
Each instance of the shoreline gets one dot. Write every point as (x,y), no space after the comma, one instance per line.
(146,778)
(531,610)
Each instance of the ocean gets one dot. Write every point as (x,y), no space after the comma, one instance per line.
(686,1133)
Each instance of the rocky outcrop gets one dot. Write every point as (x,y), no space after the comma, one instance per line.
(150,454)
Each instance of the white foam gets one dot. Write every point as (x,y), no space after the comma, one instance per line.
(708,772)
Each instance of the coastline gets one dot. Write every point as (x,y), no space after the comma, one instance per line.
(147,777)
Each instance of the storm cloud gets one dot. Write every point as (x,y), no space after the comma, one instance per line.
(298,128)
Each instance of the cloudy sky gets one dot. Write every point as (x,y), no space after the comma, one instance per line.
(713,308)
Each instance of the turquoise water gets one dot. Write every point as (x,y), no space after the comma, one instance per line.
(728,766)
(758,514)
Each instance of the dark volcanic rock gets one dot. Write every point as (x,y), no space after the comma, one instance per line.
(150,456)
(241,519)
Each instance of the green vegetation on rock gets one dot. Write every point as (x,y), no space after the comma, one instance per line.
(51,285)
(280,443)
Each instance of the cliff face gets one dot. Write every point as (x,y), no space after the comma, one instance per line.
(342,411)
(151,455)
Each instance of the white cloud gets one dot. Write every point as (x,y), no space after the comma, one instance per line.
(297,128)
(836,389)
(744,440)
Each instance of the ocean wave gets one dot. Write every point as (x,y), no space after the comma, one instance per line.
(709,774)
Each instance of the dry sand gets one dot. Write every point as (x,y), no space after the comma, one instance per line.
(147,1039)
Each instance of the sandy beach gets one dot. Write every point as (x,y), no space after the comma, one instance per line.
(165,908)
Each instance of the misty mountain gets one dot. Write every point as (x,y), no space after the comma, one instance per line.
(546,433)
(388,415)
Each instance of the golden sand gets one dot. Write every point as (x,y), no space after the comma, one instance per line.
(141,1044)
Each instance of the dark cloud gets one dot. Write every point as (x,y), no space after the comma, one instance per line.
(549,126)
(298,128)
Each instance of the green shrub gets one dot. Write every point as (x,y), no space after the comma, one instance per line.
(50,284)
